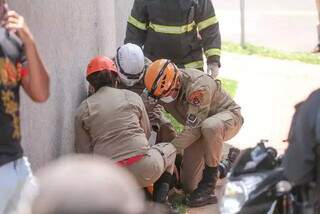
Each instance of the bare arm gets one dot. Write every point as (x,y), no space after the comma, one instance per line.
(36,83)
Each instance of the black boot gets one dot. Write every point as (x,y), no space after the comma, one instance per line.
(226,165)
(161,191)
(205,192)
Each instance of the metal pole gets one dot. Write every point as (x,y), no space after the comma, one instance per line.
(242,20)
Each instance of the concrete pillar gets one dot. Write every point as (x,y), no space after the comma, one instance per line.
(68,33)
(123,9)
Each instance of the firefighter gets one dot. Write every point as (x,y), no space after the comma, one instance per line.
(210,117)
(114,123)
(131,65)
(180,30)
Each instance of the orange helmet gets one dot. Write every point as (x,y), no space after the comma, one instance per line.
(161,77)
(100,63)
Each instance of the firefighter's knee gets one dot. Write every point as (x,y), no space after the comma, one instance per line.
(168,153)
(212,128)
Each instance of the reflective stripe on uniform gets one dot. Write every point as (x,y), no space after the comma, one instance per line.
(213,52)
(172,29)
(207,23)
(137,24)
(196,64)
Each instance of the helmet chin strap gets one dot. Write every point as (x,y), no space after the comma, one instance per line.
(128,82)
(167,99)
(129,76)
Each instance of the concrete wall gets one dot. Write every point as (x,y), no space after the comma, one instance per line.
(68,34)
(123,9)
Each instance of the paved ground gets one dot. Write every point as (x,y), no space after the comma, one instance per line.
(268,90)
(286,24)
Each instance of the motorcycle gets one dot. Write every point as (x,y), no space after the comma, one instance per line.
(256,184)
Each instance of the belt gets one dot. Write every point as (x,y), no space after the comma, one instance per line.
(130,161)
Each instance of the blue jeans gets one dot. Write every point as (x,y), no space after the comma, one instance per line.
(13,177)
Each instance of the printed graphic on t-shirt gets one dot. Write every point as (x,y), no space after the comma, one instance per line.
(12,70)
(10,74)
(10,77)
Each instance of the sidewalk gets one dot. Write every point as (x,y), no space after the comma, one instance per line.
(270,23)
(268,90)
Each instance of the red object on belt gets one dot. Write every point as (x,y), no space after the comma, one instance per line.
(129,161)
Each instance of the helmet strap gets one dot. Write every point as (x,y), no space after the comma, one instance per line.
(155,83)
(129,76)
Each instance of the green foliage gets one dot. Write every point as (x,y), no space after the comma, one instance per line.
(272,53)
(177,201)
(230,86)
(177,126)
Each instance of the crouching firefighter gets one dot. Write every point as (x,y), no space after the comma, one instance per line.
(210,116)
(114,123)
(131,65)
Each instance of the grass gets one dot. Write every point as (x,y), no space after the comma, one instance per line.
(177,201)
(272,53)
(229,85)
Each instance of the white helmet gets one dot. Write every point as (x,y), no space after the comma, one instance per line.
(130,62)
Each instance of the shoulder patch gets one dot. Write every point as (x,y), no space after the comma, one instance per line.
(195,97)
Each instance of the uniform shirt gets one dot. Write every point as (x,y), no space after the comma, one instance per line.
(300,159)
(154,110)
(199,98)
(12,69)
(114,123)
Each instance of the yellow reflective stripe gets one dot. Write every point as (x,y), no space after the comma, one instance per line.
(137,24)
(213,52)
(196,64)
(172,29)
(206,23)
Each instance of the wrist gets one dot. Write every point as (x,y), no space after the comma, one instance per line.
(214,60)
(213,64)
(26,36)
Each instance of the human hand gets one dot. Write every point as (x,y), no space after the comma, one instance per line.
(15,23)
(148,101)
(213,70)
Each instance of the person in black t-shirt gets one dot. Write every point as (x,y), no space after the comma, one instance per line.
(20,65)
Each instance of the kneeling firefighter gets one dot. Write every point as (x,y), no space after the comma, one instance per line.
(210,116)
(114,123)
(131,65)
